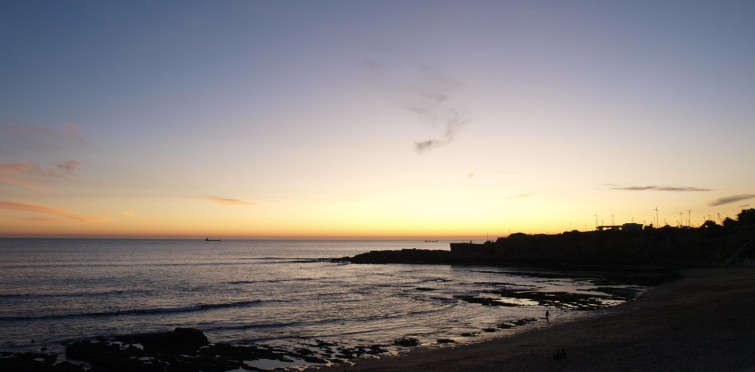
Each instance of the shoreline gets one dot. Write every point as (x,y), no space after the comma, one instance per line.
(702,321)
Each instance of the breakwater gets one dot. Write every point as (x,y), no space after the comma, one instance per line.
(675,246)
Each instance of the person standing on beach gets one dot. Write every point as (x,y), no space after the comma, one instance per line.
(547,315)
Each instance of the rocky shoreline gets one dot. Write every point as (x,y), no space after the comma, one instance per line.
(188,349)
(702,322)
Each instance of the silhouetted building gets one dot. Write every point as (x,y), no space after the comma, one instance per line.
(624,227)
(631,227)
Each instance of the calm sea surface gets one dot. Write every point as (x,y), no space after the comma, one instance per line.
(274,292)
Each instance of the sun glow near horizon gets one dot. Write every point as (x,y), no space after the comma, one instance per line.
(376,219)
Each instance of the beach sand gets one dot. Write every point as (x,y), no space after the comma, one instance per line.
(702,322)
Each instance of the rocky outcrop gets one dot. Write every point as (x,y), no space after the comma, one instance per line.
(675,246)
(414,256)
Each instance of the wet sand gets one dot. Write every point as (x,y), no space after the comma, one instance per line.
(702,322)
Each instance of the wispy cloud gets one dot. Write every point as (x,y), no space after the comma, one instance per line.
(129,213)
(41,219)
(43,209)
(8,173)
(433,105)
(68,165)
(432,109)
(522,196)
(226,201)
(19,173)
(731,199)
(659,188)
(428,98)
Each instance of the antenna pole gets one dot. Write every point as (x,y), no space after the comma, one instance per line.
(656,218)
(596,220)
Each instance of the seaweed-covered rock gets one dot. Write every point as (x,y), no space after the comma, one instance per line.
(487,301)
(180,340)
(407,342)
(109,356)
(33,362)
(158,351)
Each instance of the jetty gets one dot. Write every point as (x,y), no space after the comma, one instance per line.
(628,244)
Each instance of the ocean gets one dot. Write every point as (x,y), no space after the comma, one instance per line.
(281,293)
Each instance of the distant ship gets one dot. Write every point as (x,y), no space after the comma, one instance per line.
(211,240)
(431,241)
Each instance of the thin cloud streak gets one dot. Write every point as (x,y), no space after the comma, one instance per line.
(69,166)
(226,201)
(40,219)
(731,199)
(6,169)
(452,124)
(660,188)
(15,173)
(36,208)
(429,99)
(432,107)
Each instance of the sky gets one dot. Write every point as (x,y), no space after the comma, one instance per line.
(372,119)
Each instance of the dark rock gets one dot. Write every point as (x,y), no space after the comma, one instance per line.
(27,361)
(487,301)
(90,351)
(323,344)
(521,322)
(108,356)
(424,289)
(303,351)
(180,340)
(445,341)
(406,342)
(314,359)
(66,367)
(413,256)
(377,349)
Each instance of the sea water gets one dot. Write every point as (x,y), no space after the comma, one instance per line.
(54,291)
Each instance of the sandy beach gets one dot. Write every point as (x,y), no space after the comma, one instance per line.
(702,322)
